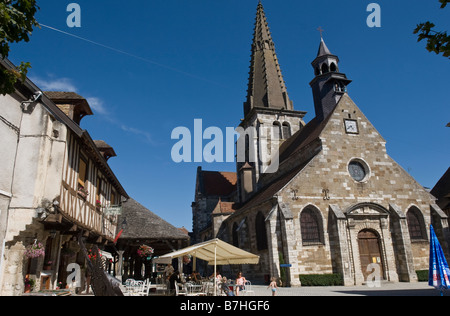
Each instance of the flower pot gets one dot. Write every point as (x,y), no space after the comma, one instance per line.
(27,289)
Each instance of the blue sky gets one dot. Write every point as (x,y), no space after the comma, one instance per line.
(165,63)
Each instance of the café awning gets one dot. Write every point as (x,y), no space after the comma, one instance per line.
(216,252)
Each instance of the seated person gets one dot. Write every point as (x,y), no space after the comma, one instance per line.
(225,287)
(240,283)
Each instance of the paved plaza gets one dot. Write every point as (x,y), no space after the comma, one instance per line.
(386,289)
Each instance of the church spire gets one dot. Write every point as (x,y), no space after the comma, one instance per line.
(266,87)
(323,49)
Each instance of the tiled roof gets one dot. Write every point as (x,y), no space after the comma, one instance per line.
(215,183)
(62,95)
(143,224)
(442,191)
(224,208)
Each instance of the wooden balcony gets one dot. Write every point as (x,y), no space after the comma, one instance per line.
(84,214)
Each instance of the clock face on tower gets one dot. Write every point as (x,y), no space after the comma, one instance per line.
(351,127)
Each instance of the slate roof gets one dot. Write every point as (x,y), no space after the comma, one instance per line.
(266,86)
(323,49)
(271,189)
(305,136)
(442,191)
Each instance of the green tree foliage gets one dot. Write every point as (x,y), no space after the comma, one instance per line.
(437,42)
(16,25)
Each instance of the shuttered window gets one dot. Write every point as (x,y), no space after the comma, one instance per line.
(82,172)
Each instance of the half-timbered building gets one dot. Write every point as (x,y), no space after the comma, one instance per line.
(55,186)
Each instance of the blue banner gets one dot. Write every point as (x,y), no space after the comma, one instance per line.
(439,271)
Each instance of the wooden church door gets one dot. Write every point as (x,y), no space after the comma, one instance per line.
(369,252)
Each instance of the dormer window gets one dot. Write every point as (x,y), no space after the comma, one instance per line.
(73,105)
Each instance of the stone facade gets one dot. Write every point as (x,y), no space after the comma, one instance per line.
(212,189)
(31,155)
(337,204)
(343,207)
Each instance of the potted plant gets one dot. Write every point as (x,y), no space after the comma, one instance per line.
(29,285)
(35,250)
(93,255)
(145,251)
(82,192)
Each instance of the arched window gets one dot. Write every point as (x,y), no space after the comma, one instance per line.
(317,71)
(286,130)
(261,233)
(333,67)
(277,130)
(311,227)
(415,224)
(247,148)
(324,68)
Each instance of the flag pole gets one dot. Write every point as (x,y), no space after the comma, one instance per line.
(215,269)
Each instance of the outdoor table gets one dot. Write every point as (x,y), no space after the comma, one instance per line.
(157,289)
(196,288)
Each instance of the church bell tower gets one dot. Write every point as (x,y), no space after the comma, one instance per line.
(329,83)
(267,108)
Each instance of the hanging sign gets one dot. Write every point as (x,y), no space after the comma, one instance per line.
(113,210)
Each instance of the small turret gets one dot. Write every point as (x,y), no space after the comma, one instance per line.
(329,83)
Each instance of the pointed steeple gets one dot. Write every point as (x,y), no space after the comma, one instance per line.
(266,87)
(323,49)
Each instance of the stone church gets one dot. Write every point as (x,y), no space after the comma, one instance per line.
(338,202)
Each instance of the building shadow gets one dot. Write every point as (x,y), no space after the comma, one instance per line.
(414,292)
